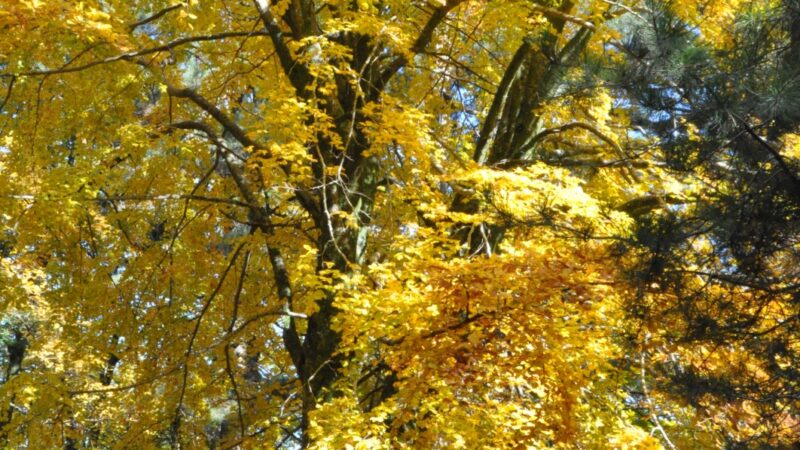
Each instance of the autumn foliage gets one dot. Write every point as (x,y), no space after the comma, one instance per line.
(399,224)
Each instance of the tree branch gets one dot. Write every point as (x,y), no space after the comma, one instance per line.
(8,92)
(228,367)
(155,16)
(304,199)
(176,421)
(490,123)
(297,73)
(422,41)
(262,221)
(772,151)
(214,112)
(202,198)
(555,13)
(581,125)
(132,55)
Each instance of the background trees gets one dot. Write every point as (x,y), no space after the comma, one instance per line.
(382,223)
(724,266)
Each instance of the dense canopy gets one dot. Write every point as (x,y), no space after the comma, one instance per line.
(399,224)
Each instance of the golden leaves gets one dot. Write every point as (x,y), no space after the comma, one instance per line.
(517,323)
(540,195)
(714,19)
(126,204)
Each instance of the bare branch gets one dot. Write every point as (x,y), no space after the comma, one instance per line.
(176,421)
(130,56)
(8,92)
(215,112)
(125,387)
(156,16)
(228,367)
(202,198)
(581,125)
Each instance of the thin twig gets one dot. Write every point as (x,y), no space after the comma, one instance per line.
(130,56)
(155,16)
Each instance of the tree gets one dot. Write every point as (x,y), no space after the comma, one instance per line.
(724,266)
(333,223)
